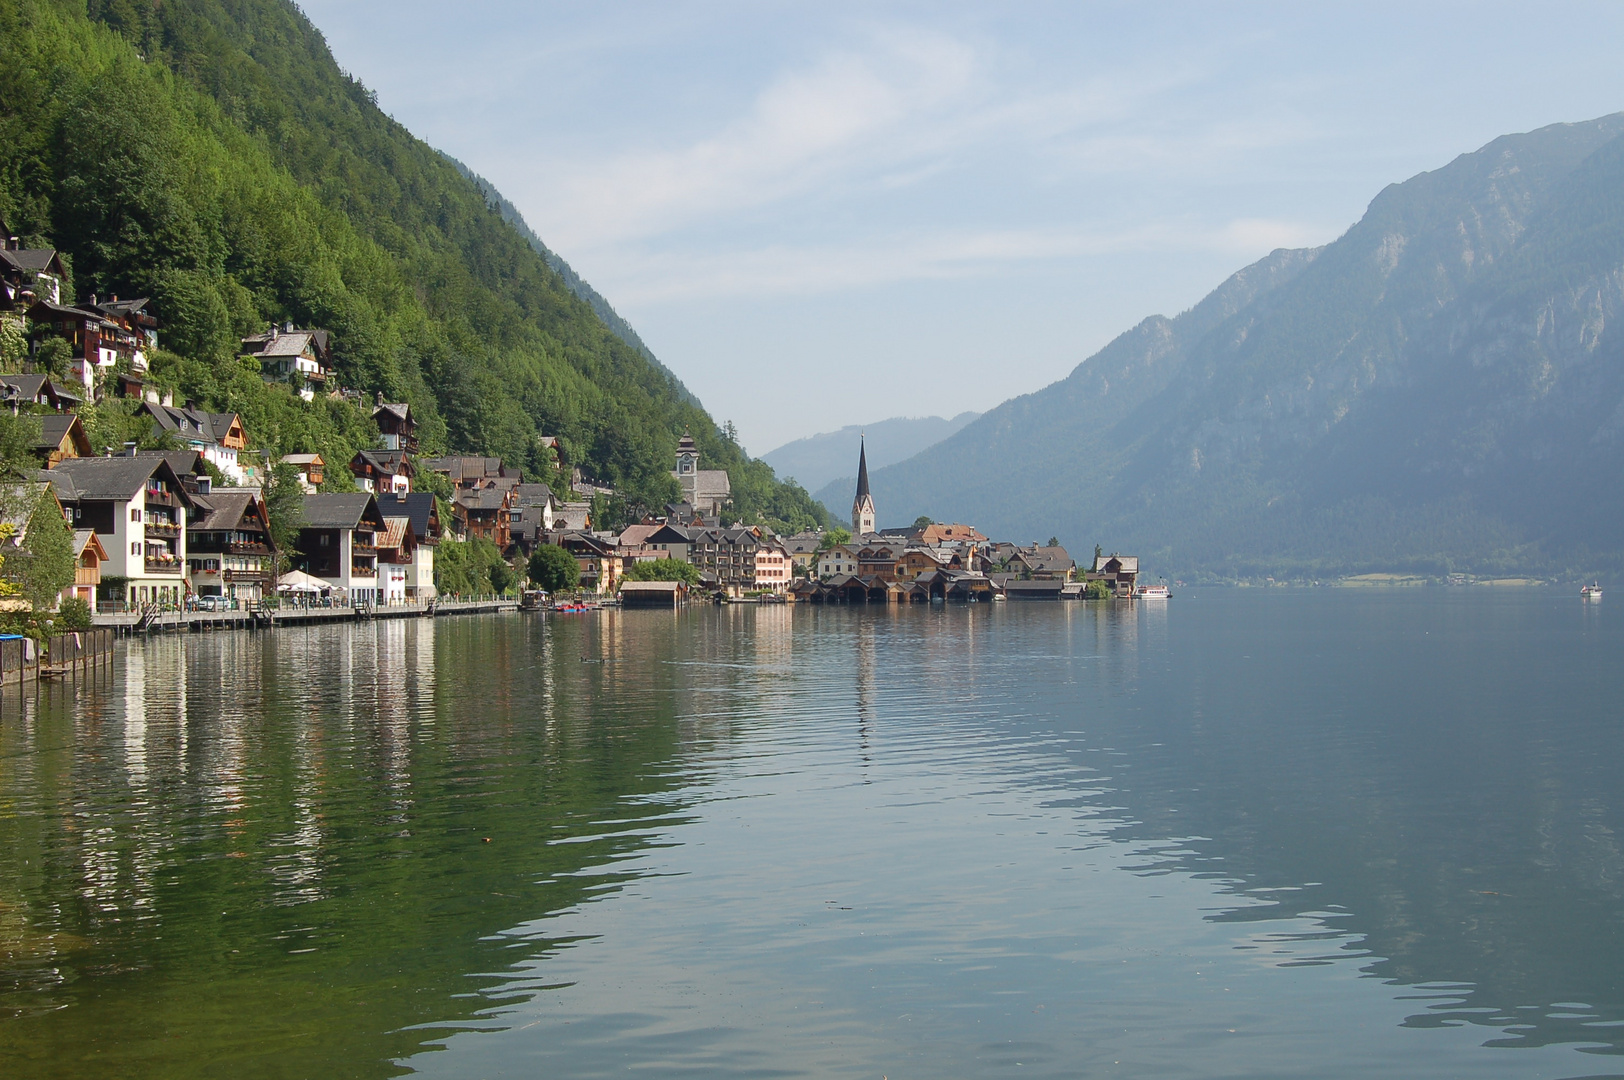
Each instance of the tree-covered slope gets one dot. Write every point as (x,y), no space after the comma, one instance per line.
(1440,389)
(211,154)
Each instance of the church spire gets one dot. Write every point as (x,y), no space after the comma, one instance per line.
(862,505)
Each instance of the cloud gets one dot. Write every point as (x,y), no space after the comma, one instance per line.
(782,269)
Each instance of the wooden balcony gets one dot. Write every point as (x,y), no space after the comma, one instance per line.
(164,566)
(87,575)
(162,528)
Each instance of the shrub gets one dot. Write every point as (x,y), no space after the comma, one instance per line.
(74,614)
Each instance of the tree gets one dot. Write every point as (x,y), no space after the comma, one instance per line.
(1054,541)
(553,568)
(54,355)
(922,522)
(284,505)
(503,576)
(74,614)
(44,565)
(834,538)
(1097,590)
(663,570)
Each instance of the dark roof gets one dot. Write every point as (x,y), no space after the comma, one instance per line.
(388,462)
(36,259)
(53,429)
(113,477)
(418,506)
(341,510)
(192,423)
(223,512)
(482,499)
(27,386)
(535,494)
(184,462)
(400,410)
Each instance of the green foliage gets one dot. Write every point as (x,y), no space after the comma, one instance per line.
(53,356)
(835,537)
(284,506)
(554,569)
(44,565)
(211,155)
(503,577)
(74,614)
(1054,541)
(470,567)
(13,343)
(922,521)
(663,570)
(1097,590)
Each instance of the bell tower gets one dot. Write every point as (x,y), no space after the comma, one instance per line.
(687,456)
(862,506)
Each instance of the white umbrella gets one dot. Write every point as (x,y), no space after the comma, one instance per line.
(299,581)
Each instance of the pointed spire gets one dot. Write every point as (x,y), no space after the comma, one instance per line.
(862,469)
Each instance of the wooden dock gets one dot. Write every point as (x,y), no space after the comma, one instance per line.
(154,621)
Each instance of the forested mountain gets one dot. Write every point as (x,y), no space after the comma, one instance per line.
(1440,389)
(831,456)
(212,155)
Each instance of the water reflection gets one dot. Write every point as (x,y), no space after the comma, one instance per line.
(977,839)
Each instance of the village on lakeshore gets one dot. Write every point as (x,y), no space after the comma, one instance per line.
(188,526)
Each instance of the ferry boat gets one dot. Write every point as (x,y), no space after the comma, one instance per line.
(1591,592)
(1154,592)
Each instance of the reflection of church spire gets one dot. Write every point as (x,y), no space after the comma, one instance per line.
(862,506)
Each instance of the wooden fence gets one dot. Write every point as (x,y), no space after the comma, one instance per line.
(76,652)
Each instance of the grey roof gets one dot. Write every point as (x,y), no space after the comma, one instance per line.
(416,506)
(296,343)
(184,462)
(223,512)
(27,386)
(81,540)
(53,428)
(482,499)
(113,477)
(37,259)
(536,495)
(192,423)
(401,409)
(341,510)
(389,462)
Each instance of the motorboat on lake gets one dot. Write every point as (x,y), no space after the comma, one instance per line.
(1154,592)
(1591,591)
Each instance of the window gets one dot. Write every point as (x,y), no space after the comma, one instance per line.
(135,548)
(135,513)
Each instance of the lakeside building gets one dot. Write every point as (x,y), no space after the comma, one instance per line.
(137,506)
(1121,572)
(338,542)
(88,557)
(219,437)
(229,545)
(415,558)
(380,471)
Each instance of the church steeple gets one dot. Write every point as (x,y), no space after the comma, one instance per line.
(862,506)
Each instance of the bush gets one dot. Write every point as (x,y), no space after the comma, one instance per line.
(663,570)
(1098,590)
(74,614)
(553,568)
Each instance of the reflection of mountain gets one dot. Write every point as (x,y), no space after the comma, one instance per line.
(1447,773)
(281,858)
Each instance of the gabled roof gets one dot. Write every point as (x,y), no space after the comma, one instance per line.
(490,498)
(388,462)
(36,260)
(417,506)
(341,510)
(54,429)
(536,495)
(113,478)
(397,530)
(86,538)
(400,411)
(225,511)
(1128,563)
(192,423)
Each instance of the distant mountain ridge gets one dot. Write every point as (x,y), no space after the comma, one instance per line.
(817,460)
(1440,389)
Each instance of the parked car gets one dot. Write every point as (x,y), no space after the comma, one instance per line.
(214,603)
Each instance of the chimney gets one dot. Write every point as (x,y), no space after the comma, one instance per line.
(288,329)
(129,449)
(380,397)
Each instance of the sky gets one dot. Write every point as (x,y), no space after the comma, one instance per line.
(833,213)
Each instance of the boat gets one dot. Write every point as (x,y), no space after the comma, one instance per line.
(1154,592)
(533,600)
(573,606)
(1591,591)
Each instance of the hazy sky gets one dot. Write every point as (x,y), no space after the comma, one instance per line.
(825,214)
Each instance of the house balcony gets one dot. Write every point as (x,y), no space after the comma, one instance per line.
(245,577)
(163,566)
(247,549)
(87,575)
(159,498)
(162,528)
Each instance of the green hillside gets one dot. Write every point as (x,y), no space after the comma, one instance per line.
(212,155)
(1440,390)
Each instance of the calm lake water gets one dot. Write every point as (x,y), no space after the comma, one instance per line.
(1238,834)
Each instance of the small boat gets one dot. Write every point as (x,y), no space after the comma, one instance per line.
(532,600)
(573,606)
(1591,592)
(1154,592)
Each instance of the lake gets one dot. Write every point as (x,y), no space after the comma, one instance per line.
(1241,833)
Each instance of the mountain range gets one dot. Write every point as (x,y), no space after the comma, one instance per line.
(1441,389)
(818,460)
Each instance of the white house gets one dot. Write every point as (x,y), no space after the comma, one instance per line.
(137,507)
